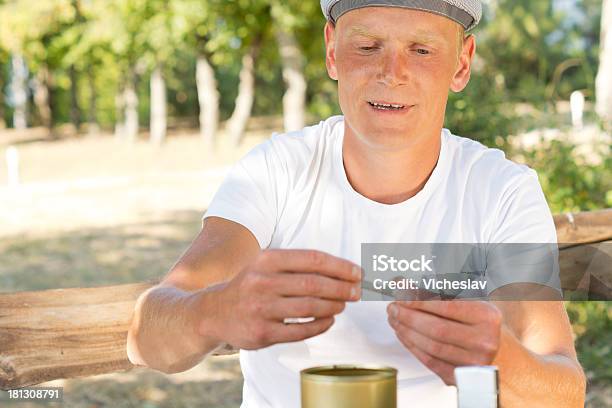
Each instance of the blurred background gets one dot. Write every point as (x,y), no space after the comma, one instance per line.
(120,118)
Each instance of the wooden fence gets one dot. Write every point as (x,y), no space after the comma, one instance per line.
(65,333)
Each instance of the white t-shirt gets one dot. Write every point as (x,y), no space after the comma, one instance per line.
(292,192)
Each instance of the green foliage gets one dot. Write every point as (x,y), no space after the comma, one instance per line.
(545,55)
(569,181)
(482,112)
(322,91)
(529,53)
(592,324)
(525,31)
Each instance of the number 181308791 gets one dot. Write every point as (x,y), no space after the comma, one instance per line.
(38,394)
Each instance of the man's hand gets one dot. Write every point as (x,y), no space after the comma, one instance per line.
(447,334)
(249,311)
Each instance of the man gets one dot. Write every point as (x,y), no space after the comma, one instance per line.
(282,236)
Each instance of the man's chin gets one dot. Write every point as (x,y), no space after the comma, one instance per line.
(388,138)
(388,132)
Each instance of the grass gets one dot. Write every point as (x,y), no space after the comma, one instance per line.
(217,382)
(96,256)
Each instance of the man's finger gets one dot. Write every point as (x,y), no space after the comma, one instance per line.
(462,311)
(314,285)
(444,370)
(311,261)
(449,353)
(435,327)
(304,307)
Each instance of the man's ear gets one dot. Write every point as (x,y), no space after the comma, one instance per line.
(330,51)
(464,65)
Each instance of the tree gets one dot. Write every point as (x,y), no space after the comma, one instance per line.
(12,42)
(251,21)
(2,121)
(119,24)
(89,51)
(236,125)
(525,43)
(159,110)
(199,21)
(294,99)
(19,93)
(28,30)
(3,60)
(208,98)
(159,47)
(604,76)
(75,109)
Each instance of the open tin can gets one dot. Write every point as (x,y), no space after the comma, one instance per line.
(348,386)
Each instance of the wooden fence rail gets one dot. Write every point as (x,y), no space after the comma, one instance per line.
(65,333)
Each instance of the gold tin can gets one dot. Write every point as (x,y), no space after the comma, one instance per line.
(348,386)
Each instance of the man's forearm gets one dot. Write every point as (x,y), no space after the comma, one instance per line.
(164,331)
(533,380)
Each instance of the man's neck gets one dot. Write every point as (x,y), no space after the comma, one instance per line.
(389,176)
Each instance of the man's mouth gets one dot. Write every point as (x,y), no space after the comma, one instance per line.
(386,106)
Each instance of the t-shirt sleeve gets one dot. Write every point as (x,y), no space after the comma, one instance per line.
(250,194)
(523,214)
(523,245)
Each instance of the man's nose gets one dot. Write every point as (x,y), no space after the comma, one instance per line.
(393,68)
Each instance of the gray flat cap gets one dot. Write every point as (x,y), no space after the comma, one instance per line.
(465,12)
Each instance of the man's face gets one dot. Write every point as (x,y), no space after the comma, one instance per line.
(384,55)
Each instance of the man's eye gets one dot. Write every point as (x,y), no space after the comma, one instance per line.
(367,48)
(422,51)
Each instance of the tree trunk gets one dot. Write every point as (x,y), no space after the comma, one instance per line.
(120,113)
(294,100)
(158,106)
(75,109)
(130,100)
(19,91)
(604,77)
(246,94)
(208,98)
(92,122)
(2,102)
(42,98)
